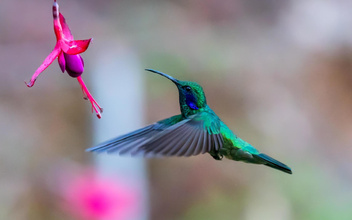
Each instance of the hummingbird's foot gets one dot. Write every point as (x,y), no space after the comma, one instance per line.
(217,156)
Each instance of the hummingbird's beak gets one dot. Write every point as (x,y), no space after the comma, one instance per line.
(165,75)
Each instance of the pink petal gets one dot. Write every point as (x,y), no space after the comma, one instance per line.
(48,60)
(88,197)
(75,47)
(62,62)
(65,29)
(86,92)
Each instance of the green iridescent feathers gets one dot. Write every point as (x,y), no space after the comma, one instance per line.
(197,130)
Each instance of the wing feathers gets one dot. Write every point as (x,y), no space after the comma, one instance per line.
(183,150)
(170,137)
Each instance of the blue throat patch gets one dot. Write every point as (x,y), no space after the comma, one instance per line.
(191,102)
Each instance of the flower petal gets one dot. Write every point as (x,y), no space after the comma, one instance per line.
(62,61)
(48,60)
(75,47)
(65,29)
(74,65)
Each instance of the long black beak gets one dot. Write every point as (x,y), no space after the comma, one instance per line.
(165,75)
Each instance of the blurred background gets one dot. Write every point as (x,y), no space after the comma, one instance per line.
(279,73)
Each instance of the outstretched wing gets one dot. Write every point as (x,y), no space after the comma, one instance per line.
(174,136)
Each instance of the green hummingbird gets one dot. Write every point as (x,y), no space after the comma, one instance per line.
(197,130)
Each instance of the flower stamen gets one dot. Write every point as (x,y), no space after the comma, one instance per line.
(95,105)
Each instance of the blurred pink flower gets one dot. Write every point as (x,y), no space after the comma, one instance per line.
(67,51)
(88,197)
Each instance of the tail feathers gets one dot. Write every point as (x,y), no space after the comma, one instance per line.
(271,162)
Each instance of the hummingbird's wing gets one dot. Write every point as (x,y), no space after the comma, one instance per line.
(175,136)
(136,137)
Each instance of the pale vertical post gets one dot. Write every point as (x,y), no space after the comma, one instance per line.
(117,84)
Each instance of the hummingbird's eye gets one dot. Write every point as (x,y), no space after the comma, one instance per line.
(188,88)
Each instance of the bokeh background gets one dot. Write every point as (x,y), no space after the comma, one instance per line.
(279,73)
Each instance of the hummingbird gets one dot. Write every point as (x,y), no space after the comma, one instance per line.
(197,130)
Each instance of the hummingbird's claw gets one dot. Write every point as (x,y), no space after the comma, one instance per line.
(217,156)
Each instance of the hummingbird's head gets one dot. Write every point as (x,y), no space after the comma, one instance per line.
(191,94)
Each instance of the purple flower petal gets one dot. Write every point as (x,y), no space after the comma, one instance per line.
(62,62)
(74,65)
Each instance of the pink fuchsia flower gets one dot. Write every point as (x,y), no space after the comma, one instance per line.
(89,197)
(67,51)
